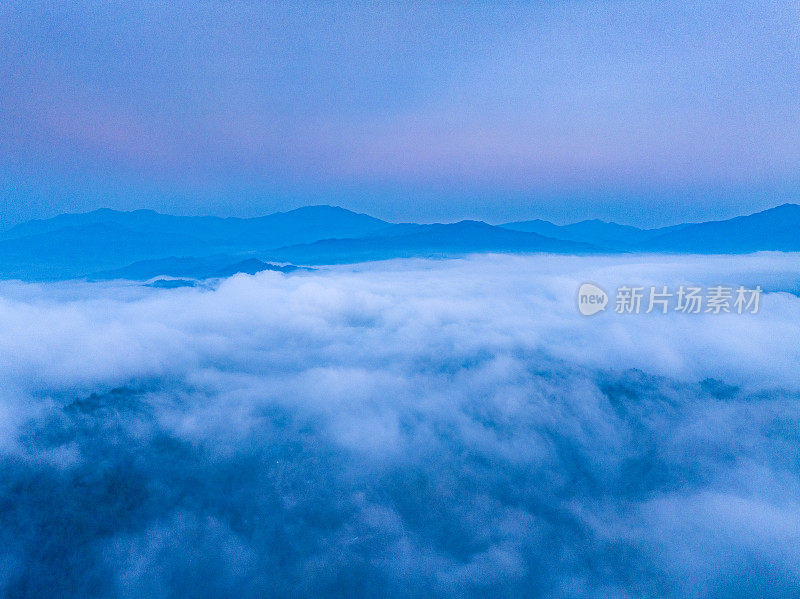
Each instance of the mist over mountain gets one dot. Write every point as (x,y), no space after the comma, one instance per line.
(434,404)
(100,243)
(404,428)
(220,265)
(77,245)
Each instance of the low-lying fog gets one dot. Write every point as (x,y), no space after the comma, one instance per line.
(408,428)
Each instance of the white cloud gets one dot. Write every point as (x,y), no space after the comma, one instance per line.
(419,427)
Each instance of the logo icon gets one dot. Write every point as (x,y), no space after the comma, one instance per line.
(591,299)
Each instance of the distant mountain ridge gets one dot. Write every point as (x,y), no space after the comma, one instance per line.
(143,244)
(776,229)
(598,232)
(302,225)
(403,241)
(216,266)
(772,229)
(77,245)
(73,251)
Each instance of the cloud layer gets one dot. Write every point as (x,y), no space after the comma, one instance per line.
(410,428)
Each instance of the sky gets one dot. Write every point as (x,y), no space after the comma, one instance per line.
(642,113)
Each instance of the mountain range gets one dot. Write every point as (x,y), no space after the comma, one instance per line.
(774,229)
(142,244)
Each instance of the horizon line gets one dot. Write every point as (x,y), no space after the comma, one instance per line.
(342,208)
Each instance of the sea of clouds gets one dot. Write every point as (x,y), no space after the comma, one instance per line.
(411,428)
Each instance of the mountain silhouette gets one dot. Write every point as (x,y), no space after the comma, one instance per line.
(208,267)
(774,229)
(75,245)
(302,225)
(595,232)
(410,240)
(72,251)
(143,244)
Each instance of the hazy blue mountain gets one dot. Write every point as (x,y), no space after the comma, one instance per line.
(74,245)
(595,232)
(251,266)
(409,240)
(171,283)
(73,251)
(141,220)
(774,229)
(220,265)
(142,244)
(302,225)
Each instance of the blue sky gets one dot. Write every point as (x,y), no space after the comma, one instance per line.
(643,113)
